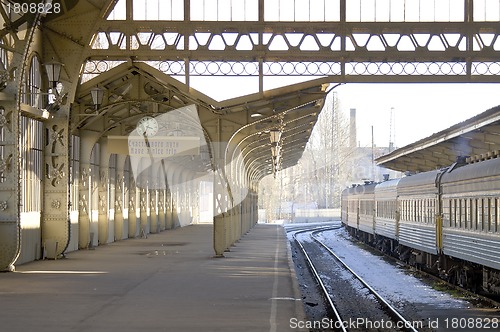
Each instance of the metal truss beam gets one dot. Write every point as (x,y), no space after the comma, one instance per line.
(341,51)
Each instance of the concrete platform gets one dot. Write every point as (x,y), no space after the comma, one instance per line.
(167,282)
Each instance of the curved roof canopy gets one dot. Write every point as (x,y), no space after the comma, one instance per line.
(133,90)
(476,139)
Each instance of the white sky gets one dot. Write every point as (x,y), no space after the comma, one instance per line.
(419,109)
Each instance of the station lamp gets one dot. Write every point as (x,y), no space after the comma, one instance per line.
(53,69)
(275,136)
(97,96)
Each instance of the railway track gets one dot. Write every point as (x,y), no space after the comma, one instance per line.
(353,303)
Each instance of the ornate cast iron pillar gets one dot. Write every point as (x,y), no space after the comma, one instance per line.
(12,81)
(121,202)
(153,198)
(161,209)
(106,225)
(9,179)
(144,199)
(55,217)
(87,142)
(133,207)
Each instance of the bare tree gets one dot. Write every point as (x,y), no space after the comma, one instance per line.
(327,167)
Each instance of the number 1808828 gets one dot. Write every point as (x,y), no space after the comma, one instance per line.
(33,8)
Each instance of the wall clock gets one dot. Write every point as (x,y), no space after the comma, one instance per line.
(147,126)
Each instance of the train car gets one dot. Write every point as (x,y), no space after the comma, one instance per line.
(387,212)
(471,222)
(351,207)
(358,210)
(344,217)
(366,216)
(419,205)
(445,221)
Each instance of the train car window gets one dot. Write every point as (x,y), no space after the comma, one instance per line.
(488,215)
(409,207)
(485,215)
(463,214)
(430,213)
(415,211)
(480,214)
(418,215)
(450,209)
(423,208)
(473,211)
(407,210)
(423,215)
(495,215)
(471,220)
(446,212)
(467,213)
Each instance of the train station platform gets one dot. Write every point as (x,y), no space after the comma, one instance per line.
(170,281)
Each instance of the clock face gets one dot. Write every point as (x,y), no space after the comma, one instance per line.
(147,126)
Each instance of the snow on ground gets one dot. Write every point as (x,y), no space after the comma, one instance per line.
(392,282)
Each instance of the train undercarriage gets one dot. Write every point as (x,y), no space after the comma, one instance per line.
(473,277)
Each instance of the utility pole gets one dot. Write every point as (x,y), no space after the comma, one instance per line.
(391,134)
(373,157)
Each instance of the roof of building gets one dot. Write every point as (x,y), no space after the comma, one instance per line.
(477,138)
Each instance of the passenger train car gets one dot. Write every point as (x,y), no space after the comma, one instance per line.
(446,221)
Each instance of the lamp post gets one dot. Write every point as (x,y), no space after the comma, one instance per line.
(275,137)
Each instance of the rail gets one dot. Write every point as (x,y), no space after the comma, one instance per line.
(407,325)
